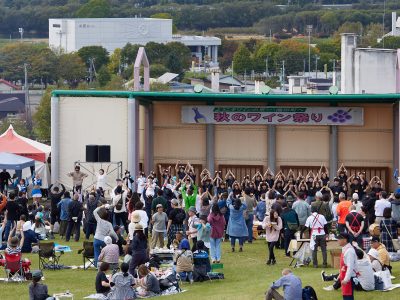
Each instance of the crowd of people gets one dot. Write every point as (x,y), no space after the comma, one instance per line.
(146,213)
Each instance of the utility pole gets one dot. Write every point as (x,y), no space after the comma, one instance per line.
(283,75)
(266,68)
(383,23)
(316,66)
(309,30)
(232,74)
(304,67)
(27,103)
(270,35)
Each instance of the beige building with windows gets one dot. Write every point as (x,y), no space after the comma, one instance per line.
(145,129)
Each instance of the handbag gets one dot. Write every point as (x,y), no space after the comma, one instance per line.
(395,242)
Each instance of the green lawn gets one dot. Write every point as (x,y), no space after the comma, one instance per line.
(246,277)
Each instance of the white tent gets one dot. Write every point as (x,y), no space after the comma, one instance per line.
(12,142)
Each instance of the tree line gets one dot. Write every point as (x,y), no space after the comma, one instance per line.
(196,15)
(46,66)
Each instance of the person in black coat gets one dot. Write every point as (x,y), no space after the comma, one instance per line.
(75,209)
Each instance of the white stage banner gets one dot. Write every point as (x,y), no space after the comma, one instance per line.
(279,115)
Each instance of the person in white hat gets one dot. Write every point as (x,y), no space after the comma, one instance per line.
(355,201)
(373,255)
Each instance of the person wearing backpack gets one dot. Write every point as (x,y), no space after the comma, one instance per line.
(175,221)
(355,225)
(291,284)
(119,204)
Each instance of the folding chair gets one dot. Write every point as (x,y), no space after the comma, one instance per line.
(87,254)
(48,258)
(13,267)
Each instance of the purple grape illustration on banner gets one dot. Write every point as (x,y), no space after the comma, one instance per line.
(340,116)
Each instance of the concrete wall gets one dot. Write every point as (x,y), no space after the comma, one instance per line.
(371,144)
(111,33)
(374,71)
(176,141)
(85,121)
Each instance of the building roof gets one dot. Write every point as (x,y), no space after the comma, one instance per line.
(167,77)
(197,40)
(11,85)
(149,97)
(12,103)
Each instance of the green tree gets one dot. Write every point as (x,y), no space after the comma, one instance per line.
(372,33)
(156,53)
(97,53)
(71,68)
(329,46)
(263,52)
(103,76)
(242,60)
(41,61)
(166,16)
(157,70)
(159,87)
(95,9)
(294,54)
(350,27)
(114,64)
(116,83)
(179,57)
(390,42)
(129,53)
(42,117)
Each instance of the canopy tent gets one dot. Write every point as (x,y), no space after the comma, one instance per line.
(12,142)
(15,162)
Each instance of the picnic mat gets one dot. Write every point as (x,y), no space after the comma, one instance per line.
(62,248)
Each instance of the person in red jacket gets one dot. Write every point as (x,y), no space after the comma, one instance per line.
(217,222)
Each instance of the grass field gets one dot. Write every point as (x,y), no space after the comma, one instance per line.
(246,277)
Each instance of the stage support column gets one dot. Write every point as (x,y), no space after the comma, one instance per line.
(55,141)
(148,140)
(133,137)
(396,138)
(271,148)
(210,147)
(333,151)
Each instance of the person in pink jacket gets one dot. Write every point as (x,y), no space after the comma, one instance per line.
(217,222)
(272,225)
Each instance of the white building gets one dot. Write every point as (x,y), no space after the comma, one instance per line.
(367,70)
(70,35)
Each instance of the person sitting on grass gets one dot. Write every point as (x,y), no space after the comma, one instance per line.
(38,291)
(122,285)
(291,285)
(102,282)
(201,262)
(183,259)
(364,281)
(149,283)
(39,228)
(110,253)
